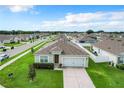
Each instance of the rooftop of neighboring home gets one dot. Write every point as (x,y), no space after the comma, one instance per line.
(86,38)
(24,36)
(6,37)
(65,46)
(113,45)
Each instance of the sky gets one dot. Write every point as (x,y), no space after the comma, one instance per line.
(62,17)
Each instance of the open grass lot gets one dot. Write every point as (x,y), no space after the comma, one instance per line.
(13,44)
(104,76)
(44,78)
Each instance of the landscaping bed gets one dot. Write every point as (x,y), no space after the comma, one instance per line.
(105,76)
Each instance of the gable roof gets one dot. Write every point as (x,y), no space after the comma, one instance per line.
(114,46)
(6,37)
(67,47)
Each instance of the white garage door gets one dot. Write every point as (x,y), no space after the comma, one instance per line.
(74,62)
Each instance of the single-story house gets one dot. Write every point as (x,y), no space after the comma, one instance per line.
(63,52)
(113,48)
(6,38)
(25,37)
(87,39)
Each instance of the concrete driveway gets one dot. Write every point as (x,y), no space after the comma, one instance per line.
(76,78)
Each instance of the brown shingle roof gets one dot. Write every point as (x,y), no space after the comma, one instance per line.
(114,46)
(68,48)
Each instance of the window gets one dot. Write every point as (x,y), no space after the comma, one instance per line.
(44,59)
(121,60)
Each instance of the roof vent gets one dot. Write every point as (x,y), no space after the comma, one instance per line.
(123,44)
(112,38)
(119,40)
(109,47)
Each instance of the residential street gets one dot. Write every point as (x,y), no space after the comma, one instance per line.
(76,78)
(22,48)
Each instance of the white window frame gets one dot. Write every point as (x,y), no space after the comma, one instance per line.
(44,58)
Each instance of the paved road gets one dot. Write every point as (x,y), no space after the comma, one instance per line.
(21,48)
(76,78)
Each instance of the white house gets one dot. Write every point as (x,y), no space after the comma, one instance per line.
(112,48)
(63,52)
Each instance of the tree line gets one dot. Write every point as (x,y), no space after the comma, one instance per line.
(14,32)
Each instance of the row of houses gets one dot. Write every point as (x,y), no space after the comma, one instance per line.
(106,45)
(16,38)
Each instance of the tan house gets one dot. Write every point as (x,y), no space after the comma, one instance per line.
(112,48)
(63,52)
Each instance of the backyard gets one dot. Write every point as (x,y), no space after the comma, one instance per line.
(20,68)
(105,76)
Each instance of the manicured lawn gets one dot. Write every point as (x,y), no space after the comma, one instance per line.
(13,44)
(105,76)
(88,48)
(44,78)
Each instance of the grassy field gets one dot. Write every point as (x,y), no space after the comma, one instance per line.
(44,78)
(88,48)
(13,44)
(105,76)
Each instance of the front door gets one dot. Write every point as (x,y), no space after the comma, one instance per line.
(56,58)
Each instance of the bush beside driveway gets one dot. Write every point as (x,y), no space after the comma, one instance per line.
(105,76)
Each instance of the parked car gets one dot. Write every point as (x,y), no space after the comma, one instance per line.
(3,57)
(1,47)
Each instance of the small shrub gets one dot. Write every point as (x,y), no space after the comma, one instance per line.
(12,47)
(120,66)
(112,64)
(109,63)
(32,73)
(44,65)
(60,65)
(4,50)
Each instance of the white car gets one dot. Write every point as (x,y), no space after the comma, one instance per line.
(3,56)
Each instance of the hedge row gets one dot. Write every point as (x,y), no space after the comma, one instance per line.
(120,66)
(44,65)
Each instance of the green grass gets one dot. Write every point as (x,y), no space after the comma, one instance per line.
(13,44)
(44,78)
(88,48)
(105,76)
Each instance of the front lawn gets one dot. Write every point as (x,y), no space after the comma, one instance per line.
(13,44)
(44,78)
(105,76)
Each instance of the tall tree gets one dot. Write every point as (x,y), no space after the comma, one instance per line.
(89,31)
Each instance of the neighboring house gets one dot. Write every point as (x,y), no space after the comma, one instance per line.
(6,38)
(87,39)
(63,52)
(113,48)
(25,37)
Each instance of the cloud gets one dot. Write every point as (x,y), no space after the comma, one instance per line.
(20,8)
(85,21)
